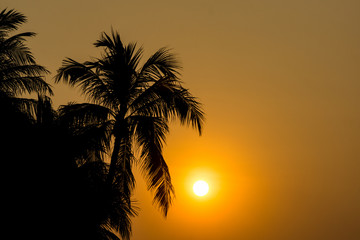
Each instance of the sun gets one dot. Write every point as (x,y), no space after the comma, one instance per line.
(201,188)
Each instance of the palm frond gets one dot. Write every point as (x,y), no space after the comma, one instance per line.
(133,55)
(75,73)
(151,99)
(188,109)
(87,77)
(91,127)
(124,178)
(161,63)
(15,50)
(158,177)
(167,98)
(94,171)
(84,114)
(107,233)
(27,69)
(150,134)
(25,106)
(92,142)
(24,84)
(120,215)
(111,42)
(11,20)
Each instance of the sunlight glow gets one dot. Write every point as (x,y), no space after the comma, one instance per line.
(201,188)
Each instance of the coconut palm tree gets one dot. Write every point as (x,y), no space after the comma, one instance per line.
(19,73)
(136,103)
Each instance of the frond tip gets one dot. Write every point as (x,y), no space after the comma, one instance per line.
(11,20)
(164,193)
(159,180)
(188,109)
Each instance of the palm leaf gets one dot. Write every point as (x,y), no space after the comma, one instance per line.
(124,178)
(86,76)
(188,109)
(120,215)
(151,99)
(167,98)
(11,20)
(161,63)
(150,134)
(112,43)
(15,49)
(24,84)
(92,142)
(84,114)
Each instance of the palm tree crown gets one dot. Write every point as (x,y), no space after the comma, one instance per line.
(19,72)
(135,104)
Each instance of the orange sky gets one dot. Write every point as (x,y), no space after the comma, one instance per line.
(280,85)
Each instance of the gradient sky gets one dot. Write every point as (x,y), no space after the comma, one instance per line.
(279,80)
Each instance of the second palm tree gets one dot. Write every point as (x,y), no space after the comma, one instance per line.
(135,103)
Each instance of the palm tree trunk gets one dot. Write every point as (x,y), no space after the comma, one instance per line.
(120,130)
(114,159)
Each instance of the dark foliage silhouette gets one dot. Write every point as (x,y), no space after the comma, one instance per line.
(134,104)
(77,174)
(67,173)
(21,171)
(50,186)
(61,178)
(19,74)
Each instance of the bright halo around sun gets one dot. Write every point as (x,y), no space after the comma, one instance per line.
(201,188)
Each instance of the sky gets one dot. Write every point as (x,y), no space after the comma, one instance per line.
(279,81)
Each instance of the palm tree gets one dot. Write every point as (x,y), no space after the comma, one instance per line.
(136,104)
(19,73)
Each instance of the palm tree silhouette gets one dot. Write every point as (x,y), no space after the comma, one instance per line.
(19,73)
(134,105)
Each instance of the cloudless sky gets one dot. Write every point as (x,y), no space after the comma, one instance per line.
(279,81)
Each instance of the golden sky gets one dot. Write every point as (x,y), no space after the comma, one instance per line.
(280,84)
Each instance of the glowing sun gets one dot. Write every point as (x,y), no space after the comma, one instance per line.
(201,188)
